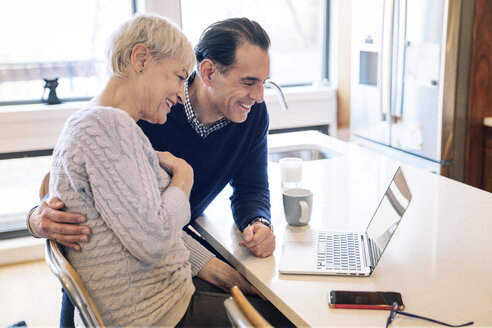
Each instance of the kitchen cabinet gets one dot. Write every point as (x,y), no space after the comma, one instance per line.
(480,96)
(487,155)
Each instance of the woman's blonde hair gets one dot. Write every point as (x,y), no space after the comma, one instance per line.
(160,35)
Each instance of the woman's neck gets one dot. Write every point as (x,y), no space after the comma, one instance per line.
(117,94)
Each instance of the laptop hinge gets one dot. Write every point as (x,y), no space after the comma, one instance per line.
(364,250)
(368,255)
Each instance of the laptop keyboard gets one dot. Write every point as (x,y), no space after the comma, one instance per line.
(338,251)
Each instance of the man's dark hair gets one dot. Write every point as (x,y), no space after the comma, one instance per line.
(220,40)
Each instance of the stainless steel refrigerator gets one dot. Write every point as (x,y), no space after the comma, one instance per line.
(409,80)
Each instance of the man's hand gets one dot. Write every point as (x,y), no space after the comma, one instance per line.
(222,275)
(48,221)
(259,239)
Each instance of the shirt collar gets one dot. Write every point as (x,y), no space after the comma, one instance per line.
(201,129)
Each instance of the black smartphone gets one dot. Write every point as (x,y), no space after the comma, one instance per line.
(346,299)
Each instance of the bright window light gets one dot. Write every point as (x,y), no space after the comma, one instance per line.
(296,30)
(56,38)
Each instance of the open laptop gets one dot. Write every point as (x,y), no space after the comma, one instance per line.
(308,251)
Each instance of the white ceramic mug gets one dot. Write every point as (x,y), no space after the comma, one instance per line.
(298,206)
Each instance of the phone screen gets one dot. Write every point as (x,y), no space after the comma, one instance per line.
(364,299)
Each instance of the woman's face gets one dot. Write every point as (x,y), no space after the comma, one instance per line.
(163,87)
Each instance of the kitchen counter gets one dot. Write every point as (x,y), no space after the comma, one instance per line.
(438,258)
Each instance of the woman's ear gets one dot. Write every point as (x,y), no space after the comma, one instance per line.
(208,70)
(139,57)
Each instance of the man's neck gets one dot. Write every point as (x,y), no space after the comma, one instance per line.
(201,102)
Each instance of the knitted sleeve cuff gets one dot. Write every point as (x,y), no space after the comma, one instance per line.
(199,255)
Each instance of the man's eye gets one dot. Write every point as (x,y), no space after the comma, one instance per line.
(182,78)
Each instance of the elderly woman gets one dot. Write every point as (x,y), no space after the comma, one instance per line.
(136,265)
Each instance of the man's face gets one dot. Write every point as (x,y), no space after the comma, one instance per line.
(234,92)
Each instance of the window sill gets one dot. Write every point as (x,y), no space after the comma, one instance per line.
(22,249)
(33,127)
(37,126)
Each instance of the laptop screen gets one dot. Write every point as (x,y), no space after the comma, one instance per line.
(388,215)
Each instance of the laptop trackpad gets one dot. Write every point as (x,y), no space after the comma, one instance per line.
(298,252)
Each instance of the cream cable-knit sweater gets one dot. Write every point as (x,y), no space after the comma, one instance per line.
(136,265)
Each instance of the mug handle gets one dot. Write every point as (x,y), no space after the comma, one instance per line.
(304,211)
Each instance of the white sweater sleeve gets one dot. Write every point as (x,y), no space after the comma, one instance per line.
(124,185)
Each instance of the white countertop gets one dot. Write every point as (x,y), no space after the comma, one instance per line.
(439,258)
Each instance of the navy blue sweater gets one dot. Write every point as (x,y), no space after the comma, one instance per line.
(235,154)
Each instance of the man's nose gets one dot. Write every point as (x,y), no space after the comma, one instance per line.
(257,93)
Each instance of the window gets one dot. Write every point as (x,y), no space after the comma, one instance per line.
(20,179)
(48,39)
(296,28)
(56,39)
(67,39)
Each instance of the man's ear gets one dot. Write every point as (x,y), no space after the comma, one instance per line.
(139,57)
(208,71)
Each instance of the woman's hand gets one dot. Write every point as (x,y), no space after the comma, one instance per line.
(223,276)
(180,171)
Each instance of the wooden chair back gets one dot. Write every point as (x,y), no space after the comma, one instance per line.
(45,186)
(68,277)
(247,316)
(73,285)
